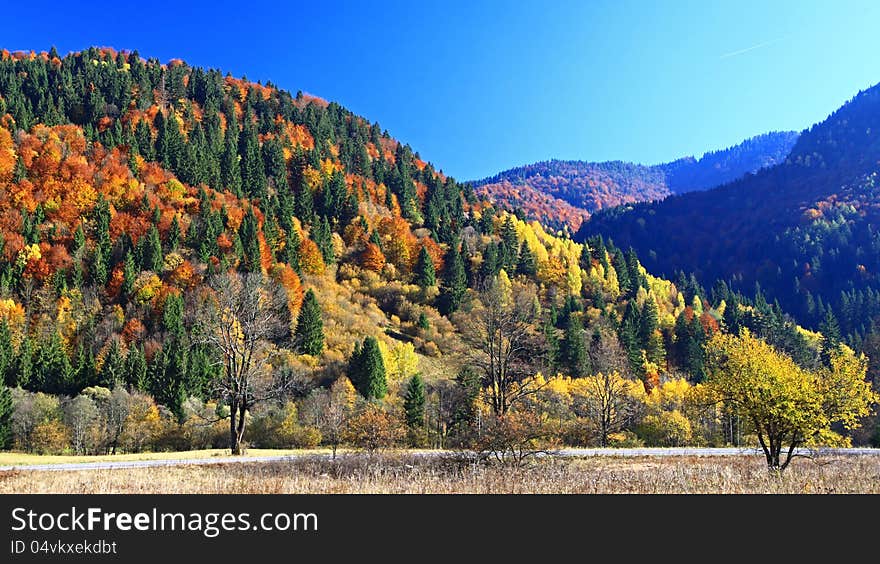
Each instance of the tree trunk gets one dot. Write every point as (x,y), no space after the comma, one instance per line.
(234,445)
(242,408)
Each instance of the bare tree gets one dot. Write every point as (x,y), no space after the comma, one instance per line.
(609,400)
(330,410)
(241,319)
(504,344)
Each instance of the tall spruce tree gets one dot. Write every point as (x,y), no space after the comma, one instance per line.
(414,410)
(574,348)
(310,326)
(425,275)
(454,282)
(367,370)
(6,409)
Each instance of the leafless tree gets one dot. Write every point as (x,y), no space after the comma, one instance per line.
(504,343)
(610,401)
(240,319)
(330,410)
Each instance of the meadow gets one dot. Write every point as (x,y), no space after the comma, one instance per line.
(407,474)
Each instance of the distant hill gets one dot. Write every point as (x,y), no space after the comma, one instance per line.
(564,193)
(805,229)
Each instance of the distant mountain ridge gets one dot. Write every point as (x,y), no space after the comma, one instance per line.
(564,193)
(805,229)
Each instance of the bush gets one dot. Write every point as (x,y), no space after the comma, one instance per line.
(579,432)
(514,438)
(666,429)
(373,429)
(50,437)
(624,439)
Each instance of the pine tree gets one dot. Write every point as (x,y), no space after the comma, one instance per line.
(323,237)
(292,250)
(574,349)
(310,326)
(113,369)
(129,274)
(527,264)
(22,370)
(423,322)
(85,372)
(230,168)
(52,372)
(454,282)
(367,370)
(248,232)
(151,251)
(135,373)
(7,356)
(414,410)
(425,275)
(6,410)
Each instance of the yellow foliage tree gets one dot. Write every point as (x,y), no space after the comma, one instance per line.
(786,405)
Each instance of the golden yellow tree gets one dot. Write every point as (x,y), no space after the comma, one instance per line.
(787,406)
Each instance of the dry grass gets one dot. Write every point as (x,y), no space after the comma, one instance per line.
(406,474)
(21,459)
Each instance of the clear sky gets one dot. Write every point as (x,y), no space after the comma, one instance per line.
(481,86)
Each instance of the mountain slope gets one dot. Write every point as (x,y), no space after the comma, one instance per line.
(149,211)
(562,193)
(804,229)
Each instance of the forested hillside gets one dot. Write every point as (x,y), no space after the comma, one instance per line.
(564,193)
(803,230)
(191,259)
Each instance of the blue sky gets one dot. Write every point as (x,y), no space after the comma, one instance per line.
(480,86)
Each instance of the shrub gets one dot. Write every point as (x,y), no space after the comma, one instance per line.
(50,437)
(666,428)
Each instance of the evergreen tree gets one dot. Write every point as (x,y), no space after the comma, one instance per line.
(367,370)
(292,251)
(650,340)
(425,275)
(526,264)
(230,169)
(574,349)
(310,326)
(414,409)
(85,372)
(323,237)
(113,369)
(6,409)
(465,412)
(52,372)
(22,370)
(423,322)
(454,282)
(151,251)
(129,275)
(7,356)
(620,267)
(135,374)
(248,232)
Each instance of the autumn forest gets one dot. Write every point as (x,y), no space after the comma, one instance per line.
(190,260)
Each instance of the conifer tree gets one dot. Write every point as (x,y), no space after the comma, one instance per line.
(526,264)
(135,375)
(454,282)
(575,350)
(310,326)
(425,275)
(414,409)
(6,409)
(367,370)
(7,356)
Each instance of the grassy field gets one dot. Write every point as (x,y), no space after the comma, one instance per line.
(21,459)
(406,474)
